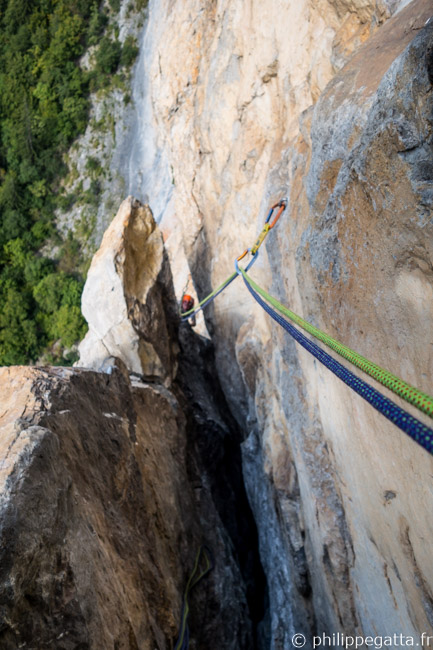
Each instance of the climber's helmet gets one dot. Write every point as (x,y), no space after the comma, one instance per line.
(187,302)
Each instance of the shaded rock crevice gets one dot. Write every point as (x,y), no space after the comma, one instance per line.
(215,439)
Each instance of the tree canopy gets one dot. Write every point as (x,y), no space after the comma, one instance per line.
(43,108)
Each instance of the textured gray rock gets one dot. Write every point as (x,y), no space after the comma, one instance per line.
(85,547)
(362,248)
(105,500)
(331,104)
(111,116)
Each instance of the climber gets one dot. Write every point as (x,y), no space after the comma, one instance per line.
(186,305)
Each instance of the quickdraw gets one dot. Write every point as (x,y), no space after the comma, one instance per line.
(422,401)
(410,425)
(268,226)
(184,315)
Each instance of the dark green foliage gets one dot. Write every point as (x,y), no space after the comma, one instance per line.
(43,108)
(129,51)
(97,23)
(70,254)
(115,5)
(94,167)
(108,56)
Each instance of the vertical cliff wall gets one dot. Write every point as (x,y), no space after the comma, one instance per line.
(329,103)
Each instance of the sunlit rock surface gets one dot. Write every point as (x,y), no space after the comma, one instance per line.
(105,501)
(88,558)
(112,479)
(330,104)
(127,297)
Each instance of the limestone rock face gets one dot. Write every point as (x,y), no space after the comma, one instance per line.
(330,104)
(80,512)
(127,295)
(359,243)
(104,504)
(224,119)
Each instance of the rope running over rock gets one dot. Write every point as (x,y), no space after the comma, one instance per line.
(407,423)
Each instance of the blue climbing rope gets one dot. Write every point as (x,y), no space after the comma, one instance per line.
(418,431)
(401,418)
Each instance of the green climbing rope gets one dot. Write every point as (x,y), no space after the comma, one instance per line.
(186,314)
(204,554)
(409,393)
(281,205)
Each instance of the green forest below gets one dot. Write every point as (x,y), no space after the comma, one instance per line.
(44,105)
